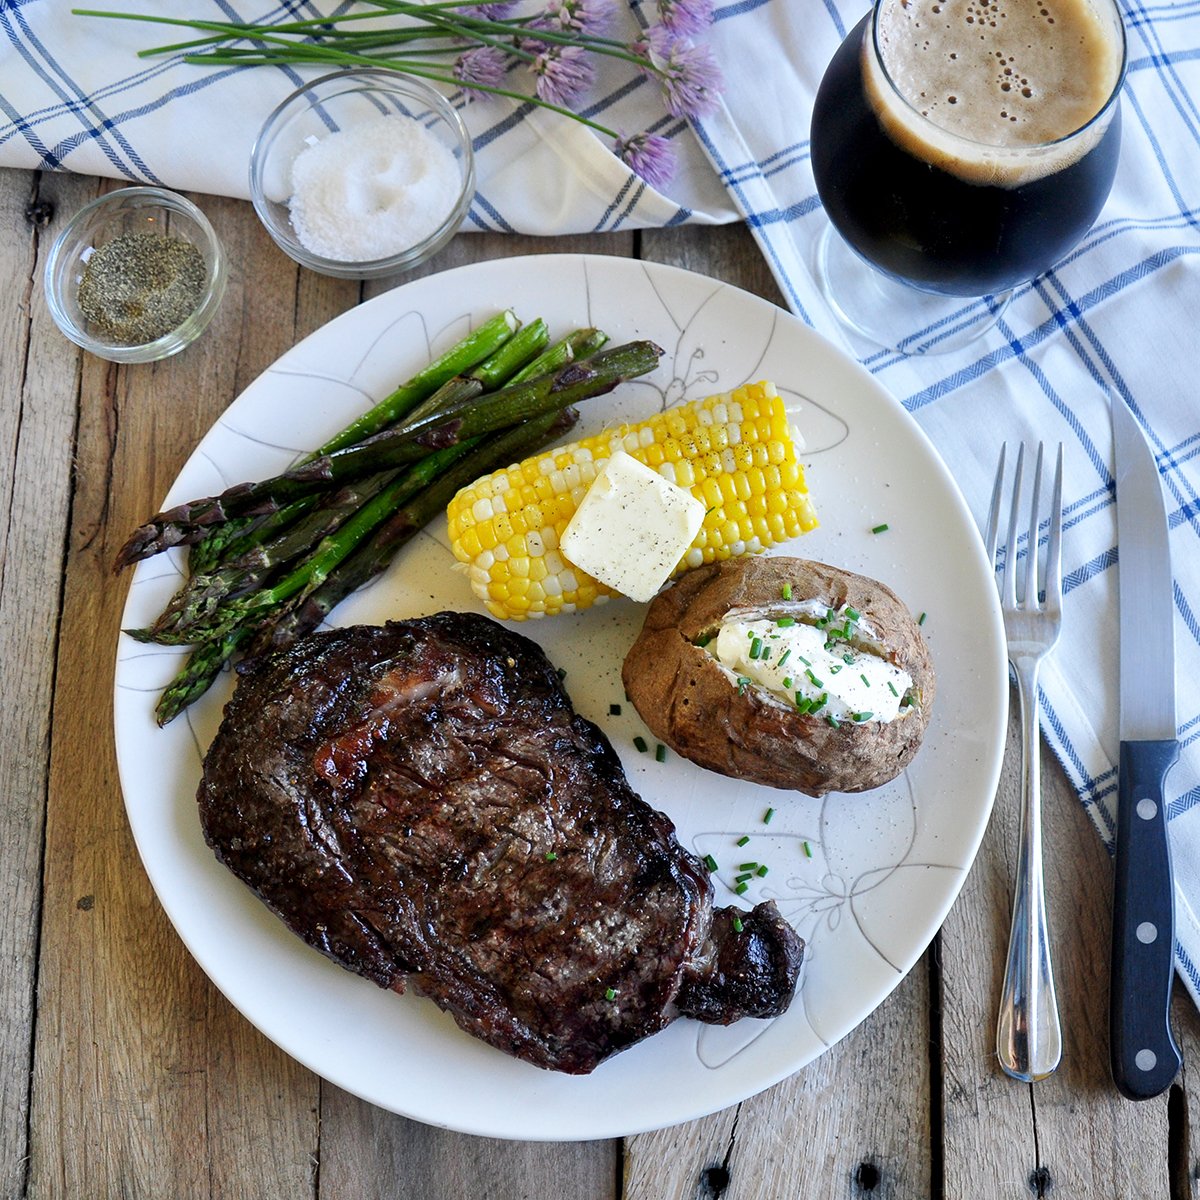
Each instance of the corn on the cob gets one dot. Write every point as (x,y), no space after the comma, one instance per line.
(734,452)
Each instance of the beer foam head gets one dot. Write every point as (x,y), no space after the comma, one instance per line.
(994,91)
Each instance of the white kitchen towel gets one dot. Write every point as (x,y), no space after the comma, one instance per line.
(1117,317)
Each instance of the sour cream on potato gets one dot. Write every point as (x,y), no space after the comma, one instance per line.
(817,660)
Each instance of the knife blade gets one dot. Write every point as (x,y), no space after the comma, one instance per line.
(1143,1054)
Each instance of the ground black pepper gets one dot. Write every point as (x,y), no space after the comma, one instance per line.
(141,286)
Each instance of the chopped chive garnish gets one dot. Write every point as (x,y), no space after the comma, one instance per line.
(921,619)
(785,656)
(804,660)
(703,640)
(892,688)
(832,720)
(560,672)
(614,710)
(710,862)
(750,866)
(785,592)
(756,648)
(848,659)
(787,682)
(551,856)
(766,653)
(863,716)
(737,925)
(660,753)
(640,743)
(851,613)
(742,888)
(813,679)
(880,528)
(768,815)
(743,839)
(761,871)
(742,684)
(802,703)
(610,993)
(835,669)
(784,622)
(865,680)
(807,850)
(743,877)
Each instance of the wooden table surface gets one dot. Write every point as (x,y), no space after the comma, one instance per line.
(124,1073)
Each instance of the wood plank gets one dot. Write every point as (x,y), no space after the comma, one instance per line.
(859,1118)
(1071,1132)
(37,419)
(147,1083)
(366,1152)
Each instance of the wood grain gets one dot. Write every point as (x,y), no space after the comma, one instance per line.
(124,1073)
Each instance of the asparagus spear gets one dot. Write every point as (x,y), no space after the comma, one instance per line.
(307,611)
(522,401)
(434,486)
(257,556)
(459,359)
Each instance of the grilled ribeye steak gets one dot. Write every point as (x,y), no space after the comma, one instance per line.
(420,802)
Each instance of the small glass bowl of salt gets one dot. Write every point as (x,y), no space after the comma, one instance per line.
(360,174)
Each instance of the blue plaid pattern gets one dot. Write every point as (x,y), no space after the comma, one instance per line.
(1117,316)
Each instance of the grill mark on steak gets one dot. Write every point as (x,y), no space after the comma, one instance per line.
(420,802)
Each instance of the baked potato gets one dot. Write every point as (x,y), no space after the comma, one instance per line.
(785,672)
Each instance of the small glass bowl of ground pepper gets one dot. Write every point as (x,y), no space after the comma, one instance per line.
(136,275)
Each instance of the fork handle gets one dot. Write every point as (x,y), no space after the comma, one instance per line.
(1028,1032)
(1143,1053)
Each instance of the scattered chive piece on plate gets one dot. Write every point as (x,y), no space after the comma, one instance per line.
(742,877)
(737,925)
(741,889)
(743,839)
(761,871)
(807,850)
(768,815)
(710,862)
(880,528)
(660,753)
(921,619)
(640,743)
(748,866)
(614,710)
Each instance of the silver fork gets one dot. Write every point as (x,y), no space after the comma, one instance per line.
(1028,1034)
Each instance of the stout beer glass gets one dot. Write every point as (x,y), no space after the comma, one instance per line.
(960,148)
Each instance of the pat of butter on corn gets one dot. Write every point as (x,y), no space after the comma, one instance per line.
(631,528)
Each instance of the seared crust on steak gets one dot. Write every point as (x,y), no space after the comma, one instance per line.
(421,803)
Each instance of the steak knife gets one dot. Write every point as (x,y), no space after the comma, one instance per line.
(1143,1053)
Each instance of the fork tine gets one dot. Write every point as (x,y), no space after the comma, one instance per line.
(1030,599)
(992,534)
(1008,583)
(1054,542)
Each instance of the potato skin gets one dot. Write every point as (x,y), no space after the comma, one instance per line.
(691,705)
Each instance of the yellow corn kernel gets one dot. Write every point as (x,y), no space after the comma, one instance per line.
(734,452)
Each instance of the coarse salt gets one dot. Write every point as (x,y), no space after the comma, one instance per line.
(373,190)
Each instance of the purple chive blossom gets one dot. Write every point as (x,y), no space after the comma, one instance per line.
(484,66)
(562,74)
(648,155)
(582,16)
(691,80)
(685,18)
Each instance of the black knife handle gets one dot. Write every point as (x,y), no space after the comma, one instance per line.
(1144,1056)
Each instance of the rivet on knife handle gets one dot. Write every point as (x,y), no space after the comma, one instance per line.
(1145,1058)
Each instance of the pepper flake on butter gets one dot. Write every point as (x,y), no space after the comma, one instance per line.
(631,528)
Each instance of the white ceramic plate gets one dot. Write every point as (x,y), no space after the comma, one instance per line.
(884,867)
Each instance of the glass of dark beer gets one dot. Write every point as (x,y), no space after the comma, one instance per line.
(961,148)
